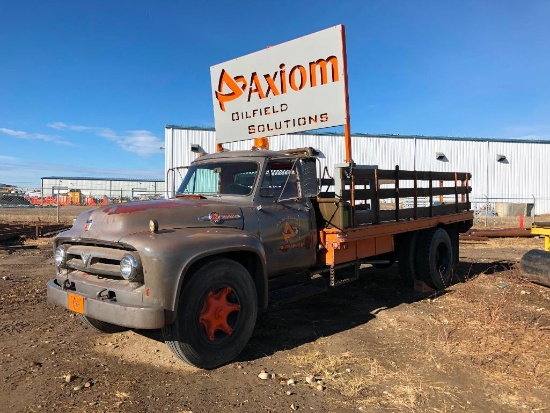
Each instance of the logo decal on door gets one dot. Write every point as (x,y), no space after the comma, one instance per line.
(289,231)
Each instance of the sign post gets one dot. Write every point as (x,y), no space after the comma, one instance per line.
(347,125)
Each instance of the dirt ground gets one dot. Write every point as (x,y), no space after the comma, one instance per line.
(373,346)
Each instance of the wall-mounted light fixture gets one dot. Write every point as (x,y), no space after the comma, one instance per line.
(440,156)
(502,158)
(196,148)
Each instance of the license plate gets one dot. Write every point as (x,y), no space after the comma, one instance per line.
(76,303)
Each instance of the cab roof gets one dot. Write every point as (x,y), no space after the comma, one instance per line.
(260,153)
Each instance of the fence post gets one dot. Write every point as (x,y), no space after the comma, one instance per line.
(57,205)
(533,209)
(486,208)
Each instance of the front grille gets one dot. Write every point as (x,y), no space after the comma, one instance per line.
(101,261)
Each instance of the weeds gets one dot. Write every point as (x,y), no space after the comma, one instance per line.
(505,331)
(360,377)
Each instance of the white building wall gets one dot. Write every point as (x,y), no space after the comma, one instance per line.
(366,150)
(523,176)
(516,181)
(459,156)
(100,187)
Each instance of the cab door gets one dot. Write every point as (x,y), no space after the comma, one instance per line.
(286,219)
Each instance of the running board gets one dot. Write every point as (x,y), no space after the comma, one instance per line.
(294,293)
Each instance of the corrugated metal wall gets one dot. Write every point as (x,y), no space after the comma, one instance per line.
(519,178)
(101,187)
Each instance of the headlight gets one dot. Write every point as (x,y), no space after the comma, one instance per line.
(129,267)
(60,256)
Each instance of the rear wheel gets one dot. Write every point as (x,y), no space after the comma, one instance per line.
(435,258)
(406,257)
(454,236)
(216,315)
(102,326)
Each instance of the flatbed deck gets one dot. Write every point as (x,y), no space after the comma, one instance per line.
(343,245)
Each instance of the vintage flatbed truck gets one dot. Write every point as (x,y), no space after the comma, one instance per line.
(247,229)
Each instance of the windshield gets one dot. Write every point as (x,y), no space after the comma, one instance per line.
(219,178)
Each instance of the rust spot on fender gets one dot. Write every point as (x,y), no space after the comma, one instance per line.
(138,206)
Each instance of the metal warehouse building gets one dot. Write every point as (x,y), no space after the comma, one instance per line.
(510,171)
(113,188)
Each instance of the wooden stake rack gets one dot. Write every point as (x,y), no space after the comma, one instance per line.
(369,206)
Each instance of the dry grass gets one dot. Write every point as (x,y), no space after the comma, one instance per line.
(322,364)
(41,215)
(39,241)
(513,243)
(363,378)
(498,332)
(486,325)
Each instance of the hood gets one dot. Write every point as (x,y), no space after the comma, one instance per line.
(114,222)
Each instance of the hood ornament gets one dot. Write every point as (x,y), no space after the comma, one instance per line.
(86,259)
(88,225)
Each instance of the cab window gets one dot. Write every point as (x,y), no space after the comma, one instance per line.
(280,180)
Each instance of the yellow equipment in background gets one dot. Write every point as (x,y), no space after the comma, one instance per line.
(535,264)
(542,228)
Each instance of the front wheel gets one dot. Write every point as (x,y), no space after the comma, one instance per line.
(216,315)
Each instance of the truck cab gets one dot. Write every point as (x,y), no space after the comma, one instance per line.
(269,189)
(135,265)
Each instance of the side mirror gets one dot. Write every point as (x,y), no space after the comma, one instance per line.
(309,183)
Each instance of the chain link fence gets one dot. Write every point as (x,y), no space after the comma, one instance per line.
(38,205)
(59,205)
(509,212)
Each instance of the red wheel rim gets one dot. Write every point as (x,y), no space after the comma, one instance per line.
(215,312)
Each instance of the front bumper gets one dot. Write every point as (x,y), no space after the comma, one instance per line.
(110,311)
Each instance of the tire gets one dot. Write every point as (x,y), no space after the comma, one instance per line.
(102,326)
(535,266)
(454,236)
(199,336)
(406,257)
(435,258)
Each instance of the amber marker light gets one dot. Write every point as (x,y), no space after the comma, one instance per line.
(261,143)
(153,225)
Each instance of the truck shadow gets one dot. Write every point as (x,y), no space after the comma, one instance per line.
(340,309)
(343,308)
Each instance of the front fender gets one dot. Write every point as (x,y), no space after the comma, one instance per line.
(168,254)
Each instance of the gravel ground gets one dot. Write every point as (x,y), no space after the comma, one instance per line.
(371,346)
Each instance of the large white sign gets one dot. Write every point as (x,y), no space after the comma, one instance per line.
(293,87)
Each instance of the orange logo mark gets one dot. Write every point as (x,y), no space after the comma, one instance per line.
(237,86)
(289,232)
(277,83)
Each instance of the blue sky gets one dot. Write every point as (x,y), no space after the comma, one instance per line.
(86,87)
